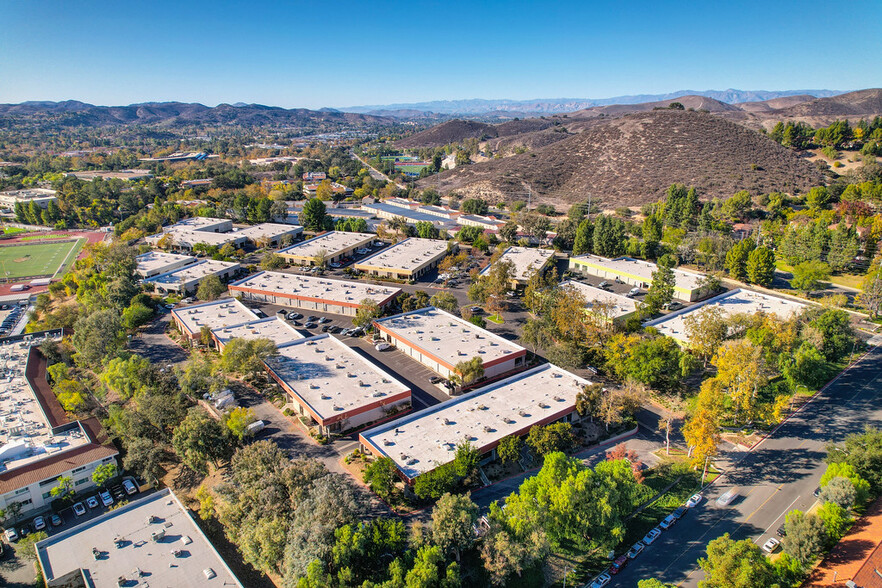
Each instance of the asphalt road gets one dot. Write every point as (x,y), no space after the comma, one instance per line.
(779,475)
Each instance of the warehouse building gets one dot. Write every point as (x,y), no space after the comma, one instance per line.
(331,246)
(273,328)
(440,340)
(270,234)
(406,260)
(620,308)
(154,263)
(488,223)
(312,292)
(730,303)
(423,441)
(526,261)
(186,280)
(687,285)
(338,388)
(151,541)
(215,315)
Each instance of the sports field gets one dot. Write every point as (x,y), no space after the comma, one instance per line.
(35,260)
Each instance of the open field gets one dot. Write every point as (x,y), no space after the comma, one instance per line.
(37,259)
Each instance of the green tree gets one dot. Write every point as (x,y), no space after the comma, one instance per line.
(836,521)
(64,489)
(71,394)
(661,289)
(426,230)
(551,438)
(653,583)
(805,538)
(509,232)
(198,440)
(808,275)
(104,473)
(246,356)
(314,216)
(846,470)
(509,448)
(474,205)
(367,311)
(445,301)
(737,258)
(436,482)
(453,517)
(135,315)
(584,238)
(98,337)
(844,247)
(468,371)
(761,266)
(210,288)
(127,377)
(736,564)
(26,544)
(840,491)
(608,236)
(237,421)
(380,475)
(271,261)
(863,452)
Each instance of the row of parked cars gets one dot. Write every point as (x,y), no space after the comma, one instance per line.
(11,319)
(620,562)
(41,523)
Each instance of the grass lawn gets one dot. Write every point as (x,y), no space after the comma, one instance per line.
(46,237)
(847,280)
(37,259)
(12,230)
(495,318)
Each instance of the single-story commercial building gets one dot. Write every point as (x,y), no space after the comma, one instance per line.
(737,301)
(152,540)
(335,386)
(186,239)
(269,234)
(619,307)
(440,340)
(333,246)
(526,261)
(154,263)
(687,285)
(311,292)
(131,175)
(39,443)
(186,279)
(202,223)
(406,260)
(488,223)
(273,328)
(421,442)
(389,210)
(214,315)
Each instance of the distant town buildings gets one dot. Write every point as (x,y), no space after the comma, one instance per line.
(132,175)
(39,196)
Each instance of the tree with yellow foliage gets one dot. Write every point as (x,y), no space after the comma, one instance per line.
(741,372)
(702,430)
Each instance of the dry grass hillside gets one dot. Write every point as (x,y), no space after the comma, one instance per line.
(457,131)
(632,159)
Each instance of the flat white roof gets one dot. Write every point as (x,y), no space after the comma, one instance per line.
(215,315)
(332,243)
(190,273)
(315,288)
(158,262)
(420,442)
(331,378)
(71,549)
(526,260)
(268,231)
(733,302)
(273,328)
(190,238)
(25,431)
(477,218)
(621,305)
(408,255)
(448,338)
(201,223)
(637,268)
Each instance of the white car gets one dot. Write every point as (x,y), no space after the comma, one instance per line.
(727,498)
(106,498)
(771,545)
(11,535)
(92,502)
(130,487)
(651,536)
(633,292)
(39,524)
(635,550)
(79,509)
(694,500)
(382,346)
(601,580)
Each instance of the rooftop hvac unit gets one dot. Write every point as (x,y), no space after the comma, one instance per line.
(387,442)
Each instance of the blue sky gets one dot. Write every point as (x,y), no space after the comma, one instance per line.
(335,53)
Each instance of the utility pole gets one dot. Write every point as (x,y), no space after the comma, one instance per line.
(529,195)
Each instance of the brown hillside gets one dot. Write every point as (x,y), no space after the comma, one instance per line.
(631,160)
(456,131)
(861,103)
(775,103)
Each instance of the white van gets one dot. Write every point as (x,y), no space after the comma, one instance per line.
(727,498)
(255,427)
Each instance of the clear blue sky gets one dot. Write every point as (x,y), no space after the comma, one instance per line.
(336,53)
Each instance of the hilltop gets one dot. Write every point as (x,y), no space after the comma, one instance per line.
(632,159)
(457,131)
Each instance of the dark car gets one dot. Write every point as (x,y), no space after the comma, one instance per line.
(618,564)
(297,323)
(311,319)
(310,325)
(817,492)
(436,380)
(56,520)
(325,328)
(781,531)
(334,329)
(679,512)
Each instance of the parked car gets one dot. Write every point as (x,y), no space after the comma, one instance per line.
(618,564)
(294,316)
(651,536)
(56,520)
(436,380)
(817,492)
(672,306)
(635,550)
(11,535)
(79,509)
(382,346)
(118,493)
(92,502)
(781,531)
(727,498)
(311,319)
(326,328)
(476,309)
(601,580)
(310,325)
(39,524)
(694,500)
(378,243)
(771,545)
(335,264)
(633,292)
(359,332)
(334,329)
(281,312)
(679,512)
(324,319)
(297,323)
(255,427)
(130,487)
(106,498)
(603,285)
(668,522)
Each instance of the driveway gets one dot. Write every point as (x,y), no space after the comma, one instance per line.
(153,344)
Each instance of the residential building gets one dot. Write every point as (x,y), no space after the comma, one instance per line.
(420,442)
(154,263)
(312,292)
(150,541)
(440,340)
(406,260)
(338,388)
(314,176)
(636,272)
(225,312)
(39,443)
(733,302)
(526,262)
(331,247)
(273,328)
(618,308)
(185,280)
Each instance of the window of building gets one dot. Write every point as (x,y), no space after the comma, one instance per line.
(48,482)
(80,482)
(78,470)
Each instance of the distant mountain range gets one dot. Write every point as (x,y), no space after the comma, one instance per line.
(478,107)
